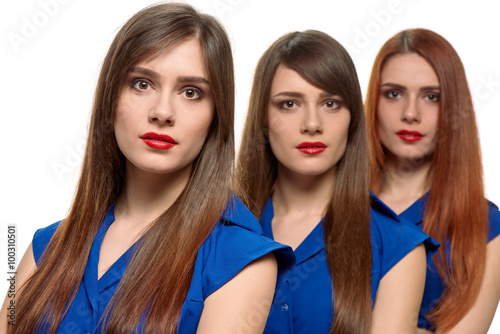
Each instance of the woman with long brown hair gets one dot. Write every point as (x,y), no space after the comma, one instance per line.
(154,242)
(426,166)
(303,171)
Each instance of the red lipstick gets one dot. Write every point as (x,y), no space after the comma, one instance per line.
(410,136)
(311,148)
(158,140)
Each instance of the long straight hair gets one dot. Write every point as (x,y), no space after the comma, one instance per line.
(155,283)
(456,211)
(324,63)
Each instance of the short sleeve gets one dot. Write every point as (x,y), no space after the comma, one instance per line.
(229,249)
(41,239)
(494,221)
(393,240)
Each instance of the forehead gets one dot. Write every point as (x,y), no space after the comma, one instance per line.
(409,69)
(185,56)
(286,79)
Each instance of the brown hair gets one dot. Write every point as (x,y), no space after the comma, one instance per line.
(324,63)
(180,230)
(456,211)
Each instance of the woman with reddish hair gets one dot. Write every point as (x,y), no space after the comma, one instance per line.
(426,166)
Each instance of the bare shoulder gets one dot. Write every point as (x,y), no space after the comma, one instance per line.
(243,303)
(480,316)
(400,294)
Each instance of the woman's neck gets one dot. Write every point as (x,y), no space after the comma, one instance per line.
(145,196)
(302,193)
(404,182)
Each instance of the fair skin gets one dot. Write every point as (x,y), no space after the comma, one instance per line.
(409,101)
(171,95)
(409,96)
(299,112)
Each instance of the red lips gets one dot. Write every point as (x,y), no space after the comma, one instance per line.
(311,148)
(158,140)
(409,136)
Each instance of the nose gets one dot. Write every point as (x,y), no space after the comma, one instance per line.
(411,112)
(162,110)
(311,123)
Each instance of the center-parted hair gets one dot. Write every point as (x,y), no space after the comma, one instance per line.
(157,280)
(324,63)
(456,211)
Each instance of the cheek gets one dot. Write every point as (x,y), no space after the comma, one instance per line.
(200,125)
(383,120)
(342,134)
(123,117)
(276,130)
(276,124)
(121,126)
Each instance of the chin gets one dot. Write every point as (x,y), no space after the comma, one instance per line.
(314,172)
(414,159)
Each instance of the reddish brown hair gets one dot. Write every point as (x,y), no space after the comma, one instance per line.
(456,211)
(181,230)
(323,62)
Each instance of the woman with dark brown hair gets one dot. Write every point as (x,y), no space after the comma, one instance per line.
(154,242)
(303,170)
(426,166)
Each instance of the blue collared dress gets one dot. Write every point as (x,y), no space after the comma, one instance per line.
(303,298)
(434,286)
(235,241)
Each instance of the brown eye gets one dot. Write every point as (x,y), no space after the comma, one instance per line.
(288,105)
(392,94)
(433,97)
(141,84)
(332,104)
(191,93)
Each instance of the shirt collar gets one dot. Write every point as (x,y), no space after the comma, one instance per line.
(237,213)
(415,212)
(90,280)
(312,244)
(381,207)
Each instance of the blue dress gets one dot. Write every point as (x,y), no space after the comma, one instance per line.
(235,241)
(434,286)
(303,298)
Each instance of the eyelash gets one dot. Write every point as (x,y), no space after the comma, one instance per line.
(138,81)
(388,93)
(337,104)
(437,97)
(195,90)
(283,104)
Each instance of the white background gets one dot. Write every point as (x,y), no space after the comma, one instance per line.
(51,52)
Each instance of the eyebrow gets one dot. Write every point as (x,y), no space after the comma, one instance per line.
(300,95)
(394,85)
(193,79)
(156,76)
(145,71)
